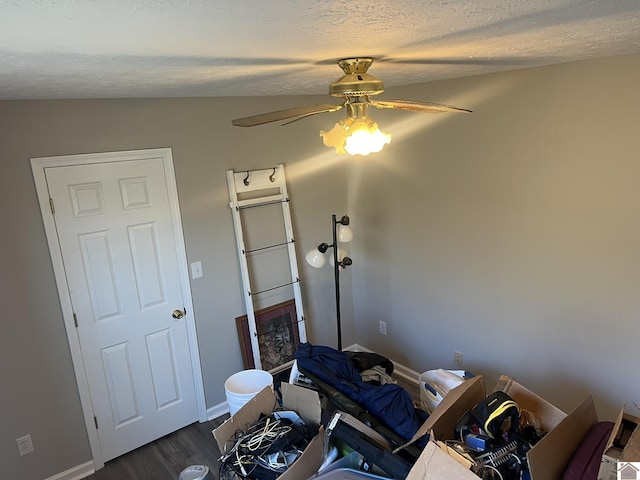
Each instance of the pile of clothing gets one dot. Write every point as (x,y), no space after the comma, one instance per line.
(361,384)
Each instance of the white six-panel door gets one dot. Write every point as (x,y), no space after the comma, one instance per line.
(117,237)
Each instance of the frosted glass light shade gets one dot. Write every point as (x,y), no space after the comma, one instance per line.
(345,234)
(365,138)
(336,137)
(355,136)
(315,258)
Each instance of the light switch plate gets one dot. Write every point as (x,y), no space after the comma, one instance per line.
(196,270)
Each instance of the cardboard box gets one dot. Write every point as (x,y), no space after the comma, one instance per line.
(623,446)
(304,401)
(454,405)
(547,460)
(631,452)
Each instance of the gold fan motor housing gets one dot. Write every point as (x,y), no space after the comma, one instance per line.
(356,81)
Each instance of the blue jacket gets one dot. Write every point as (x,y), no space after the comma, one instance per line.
(389,403)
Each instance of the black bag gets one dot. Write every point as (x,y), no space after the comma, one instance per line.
(497,416)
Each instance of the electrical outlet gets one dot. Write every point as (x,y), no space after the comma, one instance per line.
(383,328)
(457,359)
(24,445)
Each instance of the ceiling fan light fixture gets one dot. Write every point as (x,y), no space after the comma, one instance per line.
(365,137)
(336,137)
(356,136)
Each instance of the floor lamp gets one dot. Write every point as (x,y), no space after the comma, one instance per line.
(341,233)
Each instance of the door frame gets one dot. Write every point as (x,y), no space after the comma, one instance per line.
(38,167)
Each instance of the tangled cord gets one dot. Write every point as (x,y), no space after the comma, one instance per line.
(265,450)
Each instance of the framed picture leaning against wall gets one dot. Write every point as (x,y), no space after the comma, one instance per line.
(278,337)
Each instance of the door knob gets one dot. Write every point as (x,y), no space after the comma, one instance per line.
(178,314)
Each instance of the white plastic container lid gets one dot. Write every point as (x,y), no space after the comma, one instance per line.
(194,472)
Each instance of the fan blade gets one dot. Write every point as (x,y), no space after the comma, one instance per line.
(426,107)
(284,114)
(335,109)
(467,60)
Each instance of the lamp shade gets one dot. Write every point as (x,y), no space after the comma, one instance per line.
(355,136)
(341,254)
(365,137)
(345,234)
(315,258)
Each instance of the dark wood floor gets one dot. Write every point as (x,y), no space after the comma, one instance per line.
(165,458)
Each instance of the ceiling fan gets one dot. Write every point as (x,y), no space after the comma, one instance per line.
(355,87)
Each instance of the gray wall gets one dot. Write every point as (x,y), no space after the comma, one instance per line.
(511,235)
(39,394)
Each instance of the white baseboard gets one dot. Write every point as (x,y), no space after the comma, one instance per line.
(405,372)
(75,473)
(218,410)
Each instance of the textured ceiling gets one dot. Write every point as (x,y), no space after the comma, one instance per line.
(176,48)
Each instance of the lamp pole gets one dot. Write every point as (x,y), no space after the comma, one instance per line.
(336,276)
(315,258)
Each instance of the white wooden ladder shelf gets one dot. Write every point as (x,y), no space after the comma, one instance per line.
(266,248)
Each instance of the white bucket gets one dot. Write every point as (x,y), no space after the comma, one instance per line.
(435,384)
(243,386)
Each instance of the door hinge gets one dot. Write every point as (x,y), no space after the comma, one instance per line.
(53,209)
(75,319)
(95,420)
